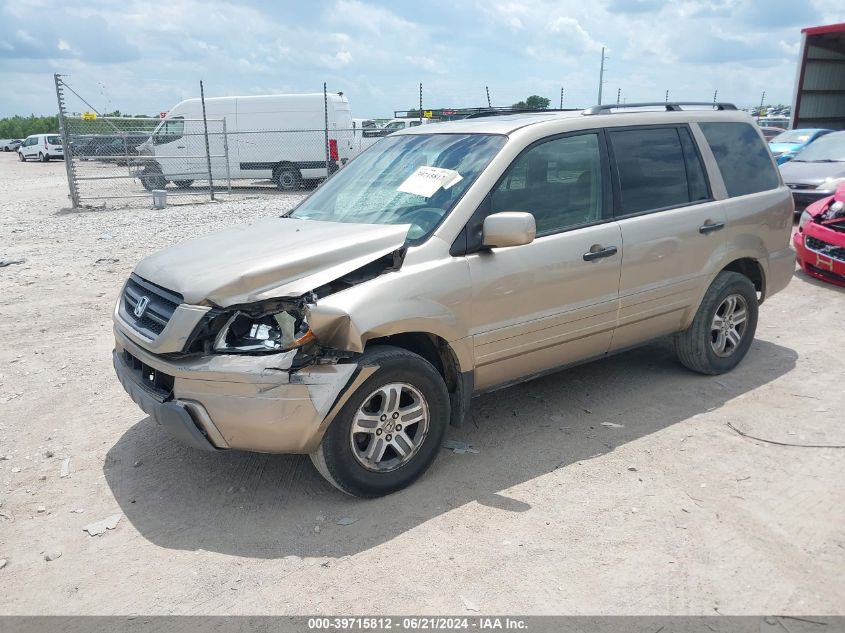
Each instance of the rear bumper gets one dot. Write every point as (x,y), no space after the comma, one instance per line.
(253,403)
(781,268)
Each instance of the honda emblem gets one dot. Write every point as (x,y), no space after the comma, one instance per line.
(141,307)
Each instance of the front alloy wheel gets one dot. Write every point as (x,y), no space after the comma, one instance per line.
(390,427)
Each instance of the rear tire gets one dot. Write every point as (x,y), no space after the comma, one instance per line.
(287,178)
(723,327)
(183,184)
(347,455)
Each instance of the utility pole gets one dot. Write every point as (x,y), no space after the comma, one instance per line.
(601,74)
(421,117)
(487,88)
(762,100)
(618,95)
(561,98)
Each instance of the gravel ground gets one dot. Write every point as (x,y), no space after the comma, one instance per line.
(613,488)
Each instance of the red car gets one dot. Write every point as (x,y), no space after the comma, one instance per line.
(820,239)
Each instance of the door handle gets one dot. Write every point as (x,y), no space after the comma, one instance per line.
(180,147)
(710,227)
(592,255)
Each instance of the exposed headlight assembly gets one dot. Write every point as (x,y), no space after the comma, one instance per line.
(276,332)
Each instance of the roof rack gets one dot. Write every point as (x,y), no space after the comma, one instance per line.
(673,106)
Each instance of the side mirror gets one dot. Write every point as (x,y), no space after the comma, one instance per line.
(509,228)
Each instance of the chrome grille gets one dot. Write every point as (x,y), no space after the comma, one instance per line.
(161,304)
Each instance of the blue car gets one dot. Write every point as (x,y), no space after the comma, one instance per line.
(786,145)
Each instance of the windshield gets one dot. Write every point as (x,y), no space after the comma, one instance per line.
(793,136)
(829,148)
(408,179)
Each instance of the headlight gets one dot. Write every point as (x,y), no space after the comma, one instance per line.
(830,184)
(805,217)
(276,332)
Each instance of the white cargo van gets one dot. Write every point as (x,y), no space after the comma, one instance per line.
(278,137)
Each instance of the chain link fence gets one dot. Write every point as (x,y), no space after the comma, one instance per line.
(127,158)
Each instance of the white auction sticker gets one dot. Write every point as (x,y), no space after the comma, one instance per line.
(425,181)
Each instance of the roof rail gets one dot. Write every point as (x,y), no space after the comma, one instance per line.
(673,106)
(503,111)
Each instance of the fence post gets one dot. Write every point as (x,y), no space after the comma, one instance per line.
(326,126)
(226,157)
(207,150)
(68,151)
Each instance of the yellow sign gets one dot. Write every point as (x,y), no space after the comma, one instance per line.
(89,116)
(427,114)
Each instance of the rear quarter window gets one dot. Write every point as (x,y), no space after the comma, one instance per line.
(743,159)
(54,140)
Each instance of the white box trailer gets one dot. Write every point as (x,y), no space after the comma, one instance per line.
(276,137)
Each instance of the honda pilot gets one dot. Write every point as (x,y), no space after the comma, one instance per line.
(449,260)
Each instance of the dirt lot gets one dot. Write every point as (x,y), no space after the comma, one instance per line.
(614,488)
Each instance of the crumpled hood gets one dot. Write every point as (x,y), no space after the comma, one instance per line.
(796,172)
(272,258)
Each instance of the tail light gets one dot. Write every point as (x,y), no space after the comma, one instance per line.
(333,155)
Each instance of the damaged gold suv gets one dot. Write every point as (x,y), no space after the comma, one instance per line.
(449,260)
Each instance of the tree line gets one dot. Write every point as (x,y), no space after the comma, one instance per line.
(22,126)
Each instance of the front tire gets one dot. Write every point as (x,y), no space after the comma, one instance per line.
(21,157)
(723,327)
(390,430)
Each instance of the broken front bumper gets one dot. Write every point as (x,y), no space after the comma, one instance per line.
(221,401)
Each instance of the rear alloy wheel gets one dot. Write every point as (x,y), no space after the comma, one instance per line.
(723,328)
(287,178)
(390,430)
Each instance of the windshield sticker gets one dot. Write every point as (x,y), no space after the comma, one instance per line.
(425,181)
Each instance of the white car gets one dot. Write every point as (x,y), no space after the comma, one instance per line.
(402,124)
(10,144)
(42,147)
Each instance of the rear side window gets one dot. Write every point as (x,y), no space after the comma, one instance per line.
(54,140)
(743,159)
(657,168)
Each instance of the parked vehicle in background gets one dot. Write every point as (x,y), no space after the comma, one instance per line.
(116,148)
(816,171)
(770,132)
(278,137)
(820,239)
(365,133)
(41,147)
(10,144)
(781,122)
(450,260)
(394,125)
(787,144)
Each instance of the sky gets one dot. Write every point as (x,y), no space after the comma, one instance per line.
(143,57)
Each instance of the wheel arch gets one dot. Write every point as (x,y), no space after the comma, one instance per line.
(443,356)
